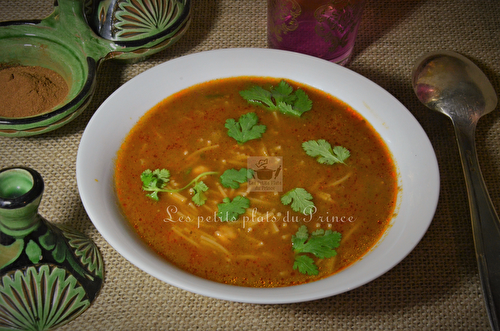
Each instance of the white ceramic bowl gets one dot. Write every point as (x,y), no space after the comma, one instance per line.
(415,159)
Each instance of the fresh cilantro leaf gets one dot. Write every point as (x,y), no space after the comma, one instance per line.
(301,235)
(281,98)
(157,178)
(156,182)
(258,96)
(302,103)
(232,178)
(230,210)
(305,264)
(300,201)
(324,152)
(283,93)
(245,128)
(199,196)
(153,195)
(320,243)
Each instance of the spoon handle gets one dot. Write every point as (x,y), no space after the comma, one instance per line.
(485,223)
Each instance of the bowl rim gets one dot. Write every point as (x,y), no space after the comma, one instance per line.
(95,187)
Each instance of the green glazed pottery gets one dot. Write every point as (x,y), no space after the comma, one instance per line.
(49,274)
(75,39)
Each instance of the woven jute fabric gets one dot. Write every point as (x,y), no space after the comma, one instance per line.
(436,287)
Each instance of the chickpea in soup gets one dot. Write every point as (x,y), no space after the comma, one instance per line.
(256,181)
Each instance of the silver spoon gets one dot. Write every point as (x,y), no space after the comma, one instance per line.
(451,84)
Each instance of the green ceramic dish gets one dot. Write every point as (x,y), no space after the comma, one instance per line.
(49,274)
(76,38)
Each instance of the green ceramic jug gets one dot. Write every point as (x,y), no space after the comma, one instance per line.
(48,274)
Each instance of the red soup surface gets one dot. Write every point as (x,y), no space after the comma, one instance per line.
(264,212)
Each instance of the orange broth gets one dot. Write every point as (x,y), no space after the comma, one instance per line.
(185,134)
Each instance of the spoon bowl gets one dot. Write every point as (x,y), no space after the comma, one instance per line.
(451,84)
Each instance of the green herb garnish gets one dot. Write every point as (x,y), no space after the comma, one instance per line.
(245,128)
(281,98)
(305,264)
(230,210)
(320,243)
(232,178)
(156,182)
(199,196)
(300,201)
(324,152)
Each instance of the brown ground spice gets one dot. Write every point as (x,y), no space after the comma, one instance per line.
(30,90)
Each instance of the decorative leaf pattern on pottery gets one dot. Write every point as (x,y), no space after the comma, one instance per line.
(23,308)
(85,250)
(140,19)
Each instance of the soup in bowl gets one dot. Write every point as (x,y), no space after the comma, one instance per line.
(238,178)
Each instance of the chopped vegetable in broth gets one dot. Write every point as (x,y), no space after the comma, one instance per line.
(256,181)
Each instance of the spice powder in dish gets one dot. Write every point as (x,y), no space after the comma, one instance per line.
(30,90)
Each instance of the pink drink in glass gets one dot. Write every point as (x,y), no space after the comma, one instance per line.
(322,28)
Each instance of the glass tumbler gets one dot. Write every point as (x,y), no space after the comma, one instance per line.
(323,28)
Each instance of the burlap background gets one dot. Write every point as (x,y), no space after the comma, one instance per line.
(435,288)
